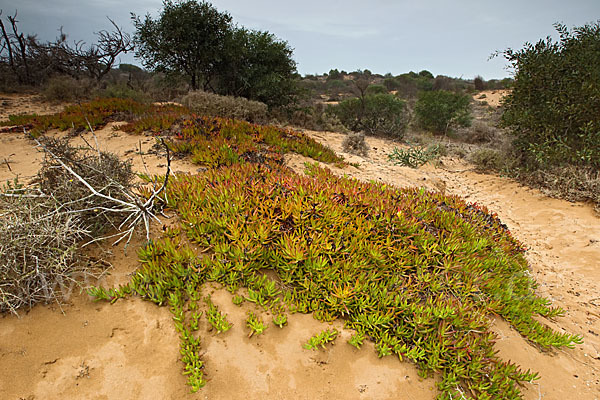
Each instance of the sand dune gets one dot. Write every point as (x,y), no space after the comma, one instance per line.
(129,350)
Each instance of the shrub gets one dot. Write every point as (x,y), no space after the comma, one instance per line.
(479,132)
(380,114)
(553,107)
(414,157)
(355,143)
(66,88)
(215,105)
(120,91)
(437,111)
(487,160)
(41,228)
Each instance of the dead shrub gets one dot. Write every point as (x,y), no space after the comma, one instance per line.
(488,160)
(43,226)
(479,132)
(101,170)
(354,143)
(215,105)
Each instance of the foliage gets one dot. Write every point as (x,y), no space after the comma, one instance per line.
(66,89)
(216,318)
(214,105)
(97,112)
(378,114)
(376,89)
(258,66)
(414,157)
(280,320)
(321,339)
(188,36)
(438,110)
(479,83)
(416,272)
(196,39)
(357,339)
(553,107)
(255,324)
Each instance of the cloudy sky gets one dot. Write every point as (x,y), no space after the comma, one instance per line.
(446,37)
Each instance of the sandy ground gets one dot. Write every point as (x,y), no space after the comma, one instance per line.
(492,97)
(129,350)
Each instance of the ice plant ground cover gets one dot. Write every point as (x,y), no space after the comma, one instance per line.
(417,273)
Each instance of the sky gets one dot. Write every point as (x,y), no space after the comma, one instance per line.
(446,37)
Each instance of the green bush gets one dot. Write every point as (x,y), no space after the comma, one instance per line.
(438,110)
(215,105)
(553,107)
(377,114)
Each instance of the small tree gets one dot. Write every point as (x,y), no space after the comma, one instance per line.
(438,110)
(188,37)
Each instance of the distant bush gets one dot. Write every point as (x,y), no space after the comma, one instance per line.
(215,105)
(379,114)
(479,83)
(376,89)
(437,111)
(121,91)
(553,106)
(66,88)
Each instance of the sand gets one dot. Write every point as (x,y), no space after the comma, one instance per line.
(492,97)
(129,350)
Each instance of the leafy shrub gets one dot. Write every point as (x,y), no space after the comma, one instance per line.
(438,110)
(354,143)
(553,107)
(214,105)
(379,114)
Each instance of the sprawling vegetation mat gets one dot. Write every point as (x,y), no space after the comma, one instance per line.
(415,272)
